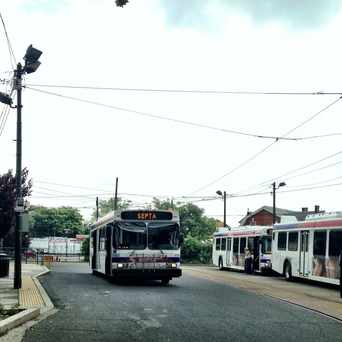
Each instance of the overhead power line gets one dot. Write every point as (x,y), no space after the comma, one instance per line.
(9,45)
(165,118)
(267,147)
(281,177)
(191,91)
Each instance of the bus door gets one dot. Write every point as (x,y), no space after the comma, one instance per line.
(94,245)
(304,253)
(256,253)
(229,250)
(109,249)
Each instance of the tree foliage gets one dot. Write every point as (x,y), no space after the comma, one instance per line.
(8,198)
(106,206)
(192,219)
(196,227)
(63,221)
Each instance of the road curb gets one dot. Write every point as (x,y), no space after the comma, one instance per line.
(28,314)
(18,319)
(48,303)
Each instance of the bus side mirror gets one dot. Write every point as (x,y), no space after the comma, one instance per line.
(181,239)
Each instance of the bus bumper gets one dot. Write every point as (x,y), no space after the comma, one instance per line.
(147,273)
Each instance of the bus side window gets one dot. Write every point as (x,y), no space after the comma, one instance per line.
(218,243)
(223,244)
(273,236)
(242,245)
(229,244)
(235,245)
(293,241)
(335,243)
(320,243)
(282,237)
(251,244)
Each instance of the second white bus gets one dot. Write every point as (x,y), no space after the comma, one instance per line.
(229,247)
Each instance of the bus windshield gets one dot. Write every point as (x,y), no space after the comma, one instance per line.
(163,236)
(130,235)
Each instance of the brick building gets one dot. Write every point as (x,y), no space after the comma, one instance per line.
(264,215)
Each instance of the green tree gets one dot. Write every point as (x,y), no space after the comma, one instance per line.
(192,219)
(106,206)
(62,221)
(196,227)
(85,249)
(8,198)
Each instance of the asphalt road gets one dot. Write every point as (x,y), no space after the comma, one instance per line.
(189,309)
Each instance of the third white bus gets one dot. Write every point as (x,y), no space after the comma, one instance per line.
(309,249)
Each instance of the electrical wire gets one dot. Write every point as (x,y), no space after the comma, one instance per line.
(269,181)
(192,91)
(4,119)
(184,122)
(267,147)
(165,118)
(9,45)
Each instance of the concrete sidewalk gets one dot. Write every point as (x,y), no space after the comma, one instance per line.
(318,297)
(31,299)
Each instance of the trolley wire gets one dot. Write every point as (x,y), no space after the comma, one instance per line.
(191,91)
(184,122)
(9,45)
(267,147)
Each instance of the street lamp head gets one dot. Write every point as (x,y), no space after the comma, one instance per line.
(31,59)
(219,192)
(5,98)
(282,184)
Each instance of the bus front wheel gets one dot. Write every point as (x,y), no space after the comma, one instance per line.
(165,281)
(287,271)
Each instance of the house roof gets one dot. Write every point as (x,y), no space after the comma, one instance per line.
(279,212)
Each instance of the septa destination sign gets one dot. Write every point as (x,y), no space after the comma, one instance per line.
(146,215)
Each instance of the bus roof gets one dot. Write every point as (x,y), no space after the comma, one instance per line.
(244,231)
(321,220)
(116,215)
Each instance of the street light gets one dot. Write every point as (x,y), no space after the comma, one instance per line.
(224,196)
(275,187)
(31,65)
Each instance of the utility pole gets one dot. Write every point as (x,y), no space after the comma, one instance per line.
(274,203)
(224,196)
(97,208)
(31,65)
(224,209)
(116,194)
(19,206)
(274,188)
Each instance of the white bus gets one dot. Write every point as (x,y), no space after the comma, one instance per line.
(229,247)
(137,243)
(309,249)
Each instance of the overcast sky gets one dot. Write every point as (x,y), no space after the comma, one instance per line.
(271,46)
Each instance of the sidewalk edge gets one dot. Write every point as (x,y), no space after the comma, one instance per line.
(18,319)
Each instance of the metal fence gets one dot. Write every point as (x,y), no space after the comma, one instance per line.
(30,256)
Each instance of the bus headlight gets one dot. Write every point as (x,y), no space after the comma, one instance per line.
(120,265)
(174,265)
